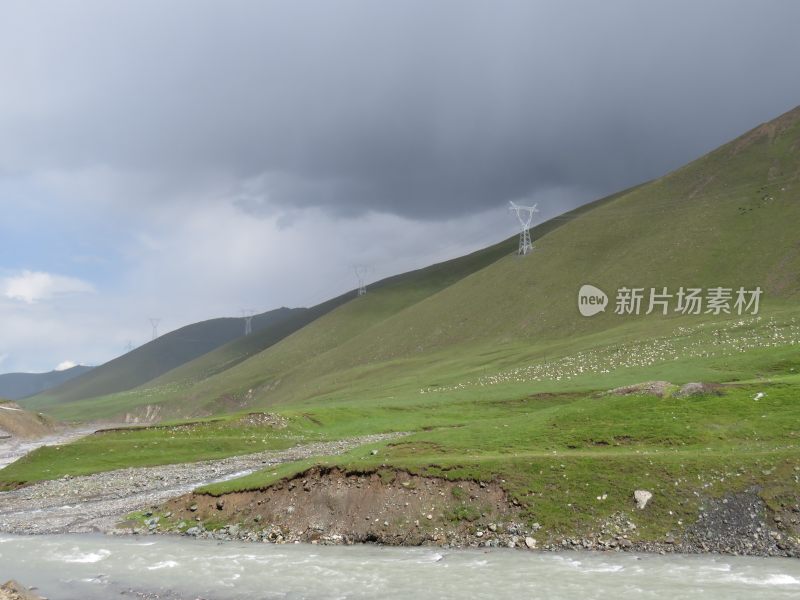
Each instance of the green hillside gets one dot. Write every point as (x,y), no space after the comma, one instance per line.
(189,382)
(726,219)
(16,386)
(161,355)
(487,363)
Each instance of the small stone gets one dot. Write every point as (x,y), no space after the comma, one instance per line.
(492,527)
(374,452)
(429,517)
(530,542)
(642,497)
(220,504)
(193,507)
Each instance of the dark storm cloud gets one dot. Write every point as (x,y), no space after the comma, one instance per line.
(422,109)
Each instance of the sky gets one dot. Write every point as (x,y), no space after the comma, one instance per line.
(188,159)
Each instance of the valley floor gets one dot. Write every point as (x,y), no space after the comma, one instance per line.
(97,502)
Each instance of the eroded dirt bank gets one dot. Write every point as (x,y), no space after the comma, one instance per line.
(96,502)
(329,506)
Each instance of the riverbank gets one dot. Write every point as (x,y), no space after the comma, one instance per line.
(13,590)
(97,502)
(328,506)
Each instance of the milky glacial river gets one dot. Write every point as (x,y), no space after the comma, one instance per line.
(89,567)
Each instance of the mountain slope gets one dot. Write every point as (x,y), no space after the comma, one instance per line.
(727,219)
(340,319)
(16,386)
(159,356)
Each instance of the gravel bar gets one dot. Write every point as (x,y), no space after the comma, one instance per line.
(96,502)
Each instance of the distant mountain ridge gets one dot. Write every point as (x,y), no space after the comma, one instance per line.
(163,354)
(16,386)
(725,219)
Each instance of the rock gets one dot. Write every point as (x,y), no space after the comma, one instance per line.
(429,517)
(642,497)
(530,542)
(193,507)
(374,452)
(651,388)
(193,531)
(13,590)
(697,388)
(492,527)
(220,504)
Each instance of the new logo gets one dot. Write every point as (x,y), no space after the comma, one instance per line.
(591,300)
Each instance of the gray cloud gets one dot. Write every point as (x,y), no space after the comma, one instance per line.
(417,108)
(189,158)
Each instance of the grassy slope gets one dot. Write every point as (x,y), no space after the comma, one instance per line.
(703,225)
(159,356)
(202,386)
(499,378)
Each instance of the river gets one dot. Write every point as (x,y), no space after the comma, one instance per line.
(94,567)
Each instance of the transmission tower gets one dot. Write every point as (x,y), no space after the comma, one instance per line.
(154,322)
(361,273)
(525,216)
(247,315)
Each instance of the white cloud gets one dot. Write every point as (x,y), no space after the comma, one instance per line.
(64,365)
(33,286)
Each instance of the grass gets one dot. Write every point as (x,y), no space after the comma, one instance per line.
(147,446)
(487,362)
(575,459)
(698,226)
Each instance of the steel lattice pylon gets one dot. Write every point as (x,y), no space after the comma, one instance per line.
(247,315)
(525,216)
(361,273)
(154,322)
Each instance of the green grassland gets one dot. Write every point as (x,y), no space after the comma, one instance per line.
(726,219)
(487,363)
